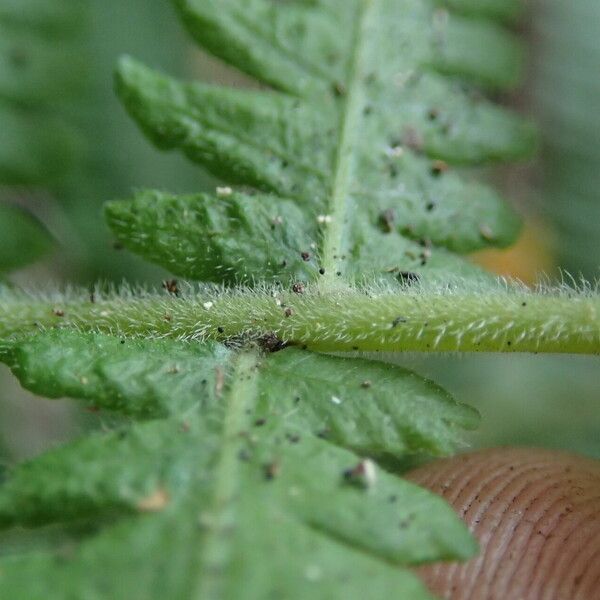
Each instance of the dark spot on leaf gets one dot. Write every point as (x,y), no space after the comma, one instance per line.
(244,455)
(387,218)
(438,167)
(339,89)
(305,256)
(260,422)
(270,343)
(397,321)
(324,433)
(271,470)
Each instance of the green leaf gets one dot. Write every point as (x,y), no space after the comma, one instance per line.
(42,68)
(247,463)
(234,238)
(16,226)
(505,10)
(239,467)
(48,17)
(370,110)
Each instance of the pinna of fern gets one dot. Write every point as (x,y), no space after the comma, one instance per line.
(243,473)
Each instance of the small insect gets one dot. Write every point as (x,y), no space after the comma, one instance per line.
(298,288)
(171,286)
(270,343)
(486,232)
(363,474)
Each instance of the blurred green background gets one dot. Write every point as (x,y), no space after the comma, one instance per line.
(66,146)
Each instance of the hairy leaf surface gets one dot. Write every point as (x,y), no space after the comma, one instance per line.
(370,109)
(239,457)
(240,468)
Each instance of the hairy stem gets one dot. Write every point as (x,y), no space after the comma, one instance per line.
(443,320)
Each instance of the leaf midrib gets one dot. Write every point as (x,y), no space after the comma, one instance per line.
(333,240)
(240,396)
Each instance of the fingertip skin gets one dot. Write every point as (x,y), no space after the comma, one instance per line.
(536,515)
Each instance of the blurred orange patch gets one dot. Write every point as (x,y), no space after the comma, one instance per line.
(530,257)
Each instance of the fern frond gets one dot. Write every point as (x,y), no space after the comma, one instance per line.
(361,132)
(244,467)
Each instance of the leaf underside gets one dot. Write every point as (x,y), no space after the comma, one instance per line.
(225,459)
(237,471)
(406,205)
